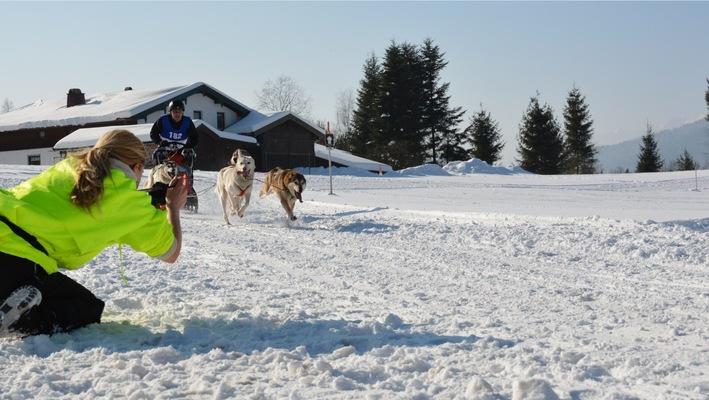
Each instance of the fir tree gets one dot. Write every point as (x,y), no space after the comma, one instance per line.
(484,137)
(451,148)
(443,141)
(685,162)
(366,122)
(402,136)
(649,159)
(6,106)
(540,143)
(706,99)
(579,152)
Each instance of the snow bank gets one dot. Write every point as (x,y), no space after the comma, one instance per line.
(475,166)
(421,170)
(472,166)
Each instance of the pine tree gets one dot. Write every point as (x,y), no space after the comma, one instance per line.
(649,159)
(451,146)
(364,138)
(579,152)
(540,143)
(484,137)
(6,106)
(706,99)
(443,141)
(685,162)
(402,136)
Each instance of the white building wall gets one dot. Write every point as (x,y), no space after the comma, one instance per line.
(19,157)
(199,102)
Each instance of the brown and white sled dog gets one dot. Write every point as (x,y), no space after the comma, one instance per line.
(287,184)
(234,184)
(160,173)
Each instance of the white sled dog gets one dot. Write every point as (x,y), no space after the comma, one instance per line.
(160,173)
(234,184)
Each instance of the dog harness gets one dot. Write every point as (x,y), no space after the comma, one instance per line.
(242,191)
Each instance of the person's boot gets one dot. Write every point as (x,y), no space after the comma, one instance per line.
(16,305)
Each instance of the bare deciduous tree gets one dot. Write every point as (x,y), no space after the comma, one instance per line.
(6,105)
(344,112)
(284,94)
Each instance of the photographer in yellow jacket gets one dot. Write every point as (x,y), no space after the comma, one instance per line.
(63,218)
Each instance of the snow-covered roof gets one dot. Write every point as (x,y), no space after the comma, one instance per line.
(256,121)
(345,158)
(86,137)
(226,135)
(100,107)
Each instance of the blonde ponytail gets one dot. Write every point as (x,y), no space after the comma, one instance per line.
(94,164)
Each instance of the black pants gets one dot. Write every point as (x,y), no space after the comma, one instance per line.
(65,305)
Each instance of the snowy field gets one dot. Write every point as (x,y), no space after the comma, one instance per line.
(415,285)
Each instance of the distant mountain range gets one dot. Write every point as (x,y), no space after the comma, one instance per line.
(670,142)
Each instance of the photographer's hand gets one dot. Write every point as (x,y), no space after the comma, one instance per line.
(176,195)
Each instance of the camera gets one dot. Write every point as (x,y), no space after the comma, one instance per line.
(157,194)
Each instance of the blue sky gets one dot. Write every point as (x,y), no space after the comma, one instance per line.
(635,62)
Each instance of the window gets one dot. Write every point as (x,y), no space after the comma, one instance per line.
(196,114)
(34,159)
(220,121)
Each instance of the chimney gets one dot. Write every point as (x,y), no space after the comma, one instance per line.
(75,98)
(127,88)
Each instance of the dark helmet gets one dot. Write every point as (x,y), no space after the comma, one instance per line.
(176,105)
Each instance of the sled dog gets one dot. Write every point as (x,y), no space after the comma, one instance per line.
(287,184)
(162,173)
(234,184)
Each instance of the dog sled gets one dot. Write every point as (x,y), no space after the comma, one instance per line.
(172,160)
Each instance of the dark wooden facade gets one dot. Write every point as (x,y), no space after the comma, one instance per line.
(33,138)
(288,144)
(214,152)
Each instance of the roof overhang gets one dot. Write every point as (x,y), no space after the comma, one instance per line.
(315,130)
(109,107)
(87,137)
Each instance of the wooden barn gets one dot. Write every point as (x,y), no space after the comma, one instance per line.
(285,140)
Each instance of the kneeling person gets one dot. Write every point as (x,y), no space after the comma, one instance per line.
(64,217)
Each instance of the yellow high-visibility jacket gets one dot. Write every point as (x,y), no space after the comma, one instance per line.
(72,236)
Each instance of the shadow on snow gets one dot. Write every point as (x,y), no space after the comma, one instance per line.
(246,335)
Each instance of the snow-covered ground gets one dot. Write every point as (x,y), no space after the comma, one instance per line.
(448,284)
